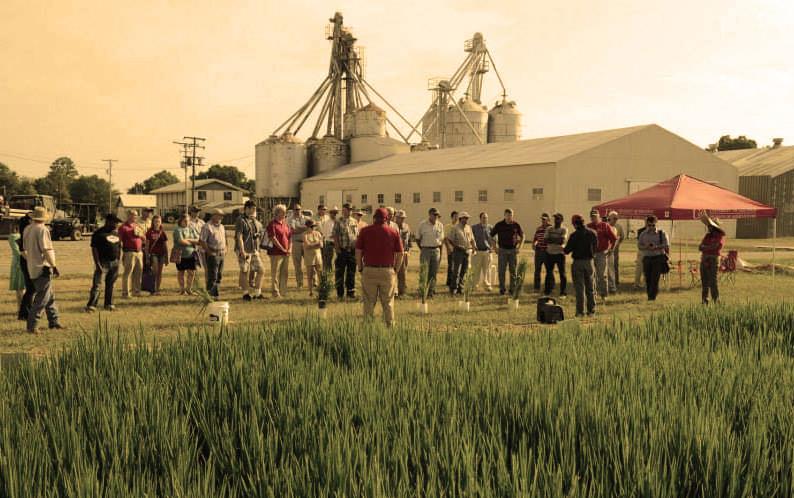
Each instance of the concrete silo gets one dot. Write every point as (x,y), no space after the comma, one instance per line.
(466,124)
(369,141)
(504,122)
(328,153)
(281,164)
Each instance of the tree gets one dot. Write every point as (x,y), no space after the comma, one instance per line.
(62,173)
(13,184)
(229,174)
(740,142)
(91,190)
(157,180)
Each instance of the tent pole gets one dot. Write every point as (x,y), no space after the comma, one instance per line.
(774,247)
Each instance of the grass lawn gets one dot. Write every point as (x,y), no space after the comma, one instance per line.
(164,316)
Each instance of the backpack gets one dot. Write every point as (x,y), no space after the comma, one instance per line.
(549,311)
(666,263)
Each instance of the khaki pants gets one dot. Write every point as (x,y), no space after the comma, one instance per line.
(133,267)
(279,272)
(297,262)
(483,261)
(402,285)
(379,284)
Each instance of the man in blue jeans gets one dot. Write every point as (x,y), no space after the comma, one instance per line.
(106,251)
(40,257)
(213,242)
(509,237)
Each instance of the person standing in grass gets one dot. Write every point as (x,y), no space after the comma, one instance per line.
(556,236)
(379,252)
(16,279)
(157,251)
(405,235)
(429,238)
(297,223)
(186,238)
(106,253)
(247,234)
(453,217)
(710,249)
(510,237)
(40,256)
(581,246)
(613,272)
(132,239)
(461,239)
(327,229)
(345,233)
(539,246)
(312,254)
(484,247)
(655,245)
(606,241)
(27,297)
(213,242)
(279,234)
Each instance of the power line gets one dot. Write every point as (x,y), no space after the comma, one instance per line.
(193,145)
(110,183)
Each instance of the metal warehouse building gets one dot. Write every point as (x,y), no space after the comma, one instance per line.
(766,175)
(569,174)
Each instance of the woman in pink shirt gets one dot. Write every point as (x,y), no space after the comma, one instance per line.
(157,251)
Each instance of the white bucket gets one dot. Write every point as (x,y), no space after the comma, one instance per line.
(466,306)
(424,308)
(514,304)
(218,313)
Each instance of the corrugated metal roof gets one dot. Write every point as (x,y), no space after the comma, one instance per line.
(534,151)
(137,200)
(766,161)
(180,187)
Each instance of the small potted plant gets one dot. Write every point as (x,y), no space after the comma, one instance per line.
(469,283)
(424,287)
(216,311)
(518,282)
(324,286)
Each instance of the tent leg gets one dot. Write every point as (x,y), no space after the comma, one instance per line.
(774,247)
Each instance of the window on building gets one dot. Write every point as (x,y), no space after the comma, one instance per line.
(398,198)
(436,196)
(380,199)
(201,195)
(322,199)
(364,199)
(458,196)
(509,194)
(537,194)
(482,196)
(227,196)
(594,194)
(417,198)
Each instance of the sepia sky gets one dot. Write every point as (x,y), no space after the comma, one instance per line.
(110,79)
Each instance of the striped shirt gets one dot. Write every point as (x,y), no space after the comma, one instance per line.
(539,241)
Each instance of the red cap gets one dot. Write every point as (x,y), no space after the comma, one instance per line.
(380,214)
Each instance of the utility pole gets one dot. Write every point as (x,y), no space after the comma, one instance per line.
(110,183)
(193,145)
(183,164)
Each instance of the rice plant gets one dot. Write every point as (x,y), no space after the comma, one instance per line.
(470,280)
(518,278)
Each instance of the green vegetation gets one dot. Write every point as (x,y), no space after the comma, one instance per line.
(693,401)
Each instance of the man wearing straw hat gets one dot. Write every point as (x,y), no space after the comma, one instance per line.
(213,241)
(40,256)
(710,248)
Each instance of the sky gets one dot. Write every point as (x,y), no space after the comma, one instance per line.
(106,79)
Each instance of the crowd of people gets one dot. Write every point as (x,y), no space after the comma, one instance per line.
(341,243)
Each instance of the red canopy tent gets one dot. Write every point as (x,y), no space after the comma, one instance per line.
(685,198)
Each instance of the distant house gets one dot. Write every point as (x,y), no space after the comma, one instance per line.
(209,194)
(766,174)
(125,202)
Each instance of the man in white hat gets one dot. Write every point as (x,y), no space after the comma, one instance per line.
(710,248)
(213,241)
(40,257)
(461,240)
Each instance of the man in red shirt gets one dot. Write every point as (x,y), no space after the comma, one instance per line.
(710,249)
(132,238)
(279,234)
(606,241)
(379,253)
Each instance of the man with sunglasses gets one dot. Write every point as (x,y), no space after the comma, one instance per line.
(655,245)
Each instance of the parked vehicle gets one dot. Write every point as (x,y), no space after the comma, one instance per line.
(74,221)
(19,205)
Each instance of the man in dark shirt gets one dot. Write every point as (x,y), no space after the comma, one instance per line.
(509,237)
(27,297)
(106,251)
(582,247)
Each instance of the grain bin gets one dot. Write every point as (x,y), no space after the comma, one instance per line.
(458,132)
(504,122)
(281,164)
(328,153)
(372,148)
(369,120)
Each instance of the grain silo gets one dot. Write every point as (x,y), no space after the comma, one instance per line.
(466,124)
(281,164)
(369,141)
(328,153)
(504,123)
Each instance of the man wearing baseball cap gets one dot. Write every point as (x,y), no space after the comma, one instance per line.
(213,241)
(405,235)
(461,239)
(606,241)
(379,252)
(106,251)
(581,246)
(327,229)
(539,246)
(345,234)
(429,238)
